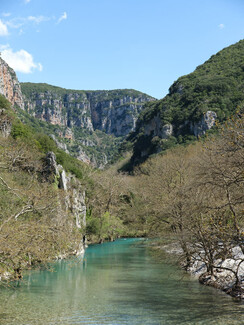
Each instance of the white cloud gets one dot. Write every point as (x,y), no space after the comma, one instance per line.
(63,17)
(221,26)
(38,19)
(16,22)
(40,66)
(3,29)
(20,22)
(6,14)
(27,1)
(20,61)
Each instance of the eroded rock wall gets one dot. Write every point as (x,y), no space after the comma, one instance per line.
(113,112)
(9,85)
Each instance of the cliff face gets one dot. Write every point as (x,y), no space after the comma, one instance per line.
(5,124)
(113,112)
(9,85)
(116,116)
(72,200)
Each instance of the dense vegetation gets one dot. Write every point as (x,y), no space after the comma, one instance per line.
(29,88)
(217,85)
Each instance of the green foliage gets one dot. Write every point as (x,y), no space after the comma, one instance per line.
(217,85)
(4,103)
(32,131)
(30,89)
(70,164)
(20,130)
(106,227)
(45,143)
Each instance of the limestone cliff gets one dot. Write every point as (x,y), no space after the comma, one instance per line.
(9,85)
(86,124)
(71,199)
(113,112)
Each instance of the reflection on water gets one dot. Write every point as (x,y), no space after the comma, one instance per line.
(116,283)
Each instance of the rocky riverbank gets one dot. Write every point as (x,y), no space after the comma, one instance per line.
(227,274)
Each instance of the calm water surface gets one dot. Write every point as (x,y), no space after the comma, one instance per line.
(116,283)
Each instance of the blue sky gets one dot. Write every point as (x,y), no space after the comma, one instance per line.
(110,44)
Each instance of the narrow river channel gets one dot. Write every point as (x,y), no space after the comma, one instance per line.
(116,283)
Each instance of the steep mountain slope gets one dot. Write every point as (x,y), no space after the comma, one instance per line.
(42,203)
(88,123)
(213,91)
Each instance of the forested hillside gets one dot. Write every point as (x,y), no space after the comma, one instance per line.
(195,101)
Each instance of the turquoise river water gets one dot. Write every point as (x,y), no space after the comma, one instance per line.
(116,283)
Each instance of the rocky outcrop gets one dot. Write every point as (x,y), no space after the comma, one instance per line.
(59,144)
(228,273)
(5,124)
(113,112)
(156,132)
(117,116)
(73,200)
(9,85)
(206,123)
(82,156)
(155,128)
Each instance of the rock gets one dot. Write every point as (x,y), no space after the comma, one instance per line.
(72,201)
(68,134)
(51,167)
(74,194)
(78,207)
(63,179)
(221,278)
(59,144)
(177,88)
(5,124)
(82,156)
(167,131)
(87,143)
(9,85)
(206,123)
(155,128)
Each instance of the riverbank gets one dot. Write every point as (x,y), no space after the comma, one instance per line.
(227,274)
(17,274)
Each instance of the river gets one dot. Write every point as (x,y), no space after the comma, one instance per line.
(116,283)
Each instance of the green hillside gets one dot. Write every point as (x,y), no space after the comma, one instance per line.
(217,86)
